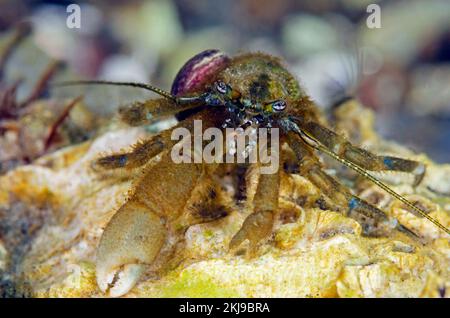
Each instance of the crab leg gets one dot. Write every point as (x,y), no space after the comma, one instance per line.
(141,153)
(134,236)
(140,113)
(370,216)
(361,157)
(138,231)
(147,223)
(258,225)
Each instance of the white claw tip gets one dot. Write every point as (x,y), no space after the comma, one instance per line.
(119,282)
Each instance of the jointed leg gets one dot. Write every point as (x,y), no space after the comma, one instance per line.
(258,225)
(137,114)
(140,113)
(142,152)
(370,216)
(361,157)
(208,201)
(133,237)
(140,231)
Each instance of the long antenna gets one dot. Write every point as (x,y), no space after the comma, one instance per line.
(316,144)
(131,84)
(159,91)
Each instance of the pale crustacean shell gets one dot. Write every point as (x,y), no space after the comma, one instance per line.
(313,252)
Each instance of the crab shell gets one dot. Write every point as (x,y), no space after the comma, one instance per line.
(198,71)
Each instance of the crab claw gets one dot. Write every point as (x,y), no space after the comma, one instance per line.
(256,228)
(132,238)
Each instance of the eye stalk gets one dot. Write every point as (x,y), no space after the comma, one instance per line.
(221,87)
(279,105)
(218,95)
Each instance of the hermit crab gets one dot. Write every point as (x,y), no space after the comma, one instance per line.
(248,90)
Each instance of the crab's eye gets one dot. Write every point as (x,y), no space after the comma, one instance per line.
(278,105)
(221,87)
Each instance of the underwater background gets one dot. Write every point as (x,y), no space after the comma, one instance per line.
(401,70)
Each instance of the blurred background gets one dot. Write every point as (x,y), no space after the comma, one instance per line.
(400,70)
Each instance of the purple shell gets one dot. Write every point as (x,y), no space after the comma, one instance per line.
(195,73)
